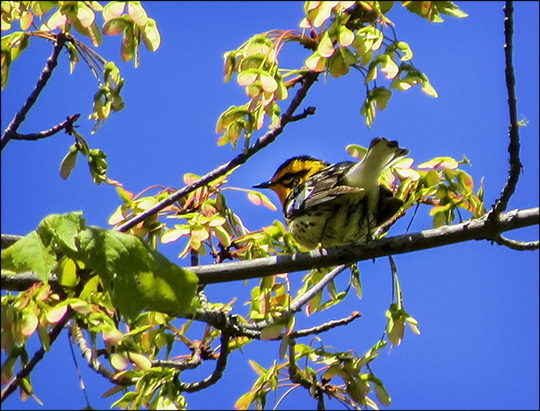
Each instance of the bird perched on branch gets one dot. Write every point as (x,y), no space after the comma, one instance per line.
(336,204)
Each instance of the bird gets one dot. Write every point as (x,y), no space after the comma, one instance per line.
(328,205)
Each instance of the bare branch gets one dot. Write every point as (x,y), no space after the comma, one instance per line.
(517,245)
(218,371)
(326,326)
(52,62)
(513,148)
(9,239)
(67,125)
(307,112)
(309,78)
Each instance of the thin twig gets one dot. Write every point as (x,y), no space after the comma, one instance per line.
(517,245)
(81,380)
(325,327)
(309,79)
(305,298)
(52,62)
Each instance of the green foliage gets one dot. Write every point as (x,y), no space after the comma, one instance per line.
(341,35)
(134,25)
(344,376)
(432,10)
(136,277)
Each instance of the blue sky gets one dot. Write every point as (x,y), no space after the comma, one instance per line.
(476,303)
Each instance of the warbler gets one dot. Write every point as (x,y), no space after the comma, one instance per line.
(336,204)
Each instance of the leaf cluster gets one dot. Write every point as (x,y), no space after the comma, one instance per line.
(126,18)
(341,36)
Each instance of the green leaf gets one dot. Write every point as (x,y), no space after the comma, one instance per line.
(407,52)
(431,10)
(380,96)
(127,50)
(67,273)
(272,331)
(380,391)
(247,77)
(62,230)
(85,15)
(269,84)
(29,254)
(137,277)
(230,65)
(12,46)
(232,114)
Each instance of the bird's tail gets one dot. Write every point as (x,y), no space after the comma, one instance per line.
(381,153)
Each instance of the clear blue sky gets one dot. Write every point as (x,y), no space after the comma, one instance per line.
(476,303)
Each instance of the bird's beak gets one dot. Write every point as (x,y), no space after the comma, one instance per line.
(266,184)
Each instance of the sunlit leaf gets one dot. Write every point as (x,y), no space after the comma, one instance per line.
(137,12)
(346,36)
(326,48)
(316,62)
(151,36)
(113,9)
(56,314)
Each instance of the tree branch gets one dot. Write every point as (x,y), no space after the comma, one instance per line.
(477,229)
(218,371)
(309,79)
(513,129)
(325,326)
(52,62)
(94,363)
(517,245)
(305,298)
(67,125)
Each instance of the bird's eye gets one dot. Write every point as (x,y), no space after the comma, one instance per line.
(291,179)
(287,180)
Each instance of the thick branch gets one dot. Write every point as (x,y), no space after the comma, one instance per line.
(52,62)
(309,79)
(478,229)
